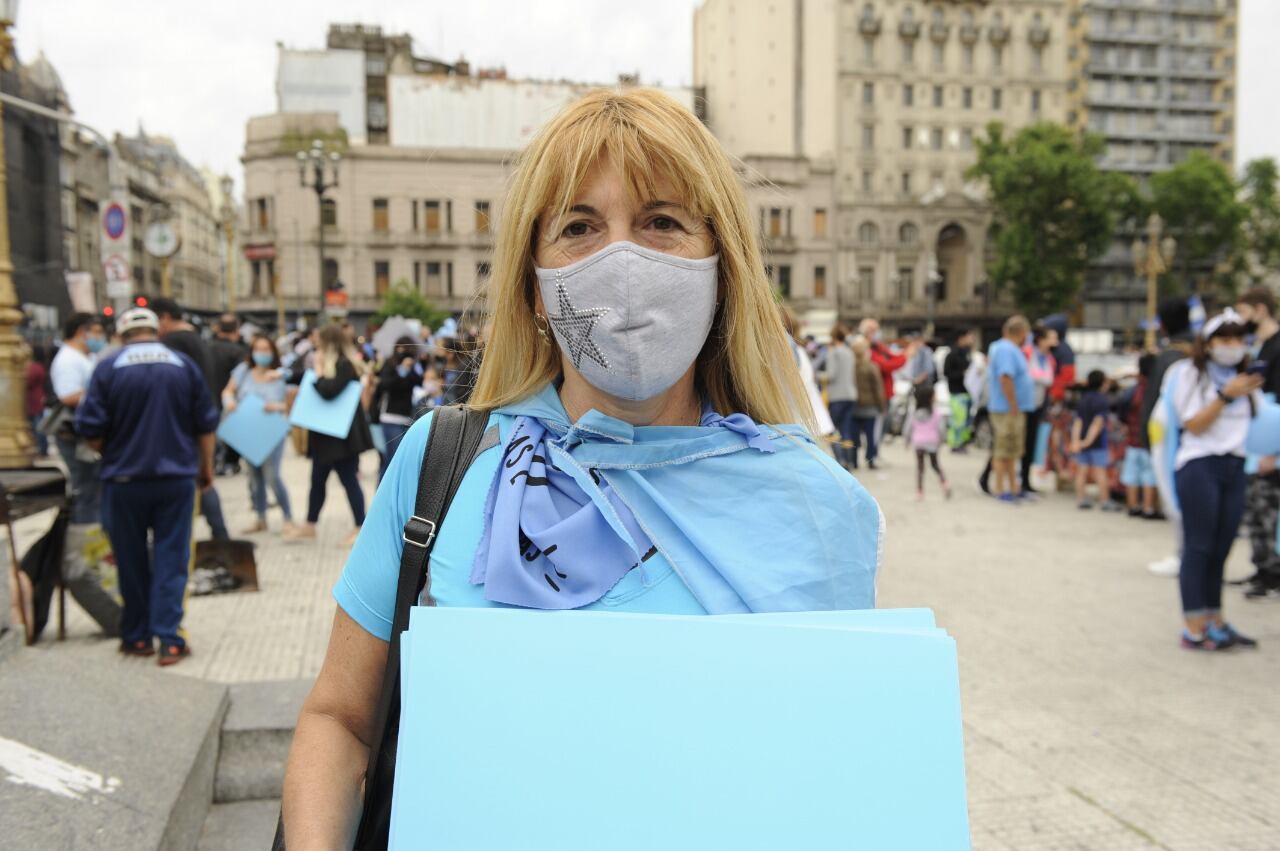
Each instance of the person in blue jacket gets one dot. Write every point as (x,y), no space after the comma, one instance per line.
(149,412)
(650,444)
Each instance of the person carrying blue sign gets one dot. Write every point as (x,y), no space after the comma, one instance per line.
(261,376)
(648,446)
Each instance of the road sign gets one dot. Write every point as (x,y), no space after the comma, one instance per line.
(114,221)
(119,276)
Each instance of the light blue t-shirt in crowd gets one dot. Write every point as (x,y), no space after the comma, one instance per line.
(366,591)
(1005,358)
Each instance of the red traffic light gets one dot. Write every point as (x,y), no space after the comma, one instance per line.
(140,301)
(108,311)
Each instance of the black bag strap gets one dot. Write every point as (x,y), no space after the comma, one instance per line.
(455,435)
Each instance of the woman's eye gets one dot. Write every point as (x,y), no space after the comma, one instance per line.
(576,229)
(665,223)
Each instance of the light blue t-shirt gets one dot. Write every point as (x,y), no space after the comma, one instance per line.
(366,591)
(1005,358)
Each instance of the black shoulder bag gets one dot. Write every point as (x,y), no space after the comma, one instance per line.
(455,437)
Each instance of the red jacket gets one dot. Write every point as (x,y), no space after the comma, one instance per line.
(889,363)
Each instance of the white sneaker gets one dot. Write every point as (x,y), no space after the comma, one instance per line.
(1170,566)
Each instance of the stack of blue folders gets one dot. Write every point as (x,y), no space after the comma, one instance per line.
(587,731)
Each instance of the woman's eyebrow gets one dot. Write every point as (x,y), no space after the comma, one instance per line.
(657,205)
(584,208)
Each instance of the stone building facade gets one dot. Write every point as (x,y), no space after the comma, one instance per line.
(893,93)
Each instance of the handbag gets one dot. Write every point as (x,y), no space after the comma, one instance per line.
(452,445)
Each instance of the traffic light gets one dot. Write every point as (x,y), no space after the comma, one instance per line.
(140,301)
(108,311)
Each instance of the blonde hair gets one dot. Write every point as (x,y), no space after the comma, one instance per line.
(336,341)
(746,364)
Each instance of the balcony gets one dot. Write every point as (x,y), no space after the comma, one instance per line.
(938,31)
(999,34)
(869,23)
(909,29)
(780,244)
(969,34)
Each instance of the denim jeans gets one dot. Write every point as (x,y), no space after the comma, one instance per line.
(268,475)
(1211,493)
(393,433)
(348,470)
(867,429)
(842,417)
(152,579)
(86,488)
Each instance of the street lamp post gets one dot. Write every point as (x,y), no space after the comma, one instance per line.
(16,443)
(317,157)
(228,235)
(1152,257)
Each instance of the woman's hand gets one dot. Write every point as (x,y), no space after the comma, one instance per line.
(1242,385)
(274,407)
(228,404)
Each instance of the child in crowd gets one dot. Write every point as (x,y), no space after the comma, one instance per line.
(1138,475)
(925,433)
(1089,443)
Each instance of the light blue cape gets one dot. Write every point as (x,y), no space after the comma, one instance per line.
(746,531)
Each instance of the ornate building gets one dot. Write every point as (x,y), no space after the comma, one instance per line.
(893,93)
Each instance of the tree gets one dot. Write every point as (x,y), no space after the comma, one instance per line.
(1259,250)
(1054,211)
(404,300)
(1197,199)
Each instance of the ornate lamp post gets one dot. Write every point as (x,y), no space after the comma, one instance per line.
(1152,258)
(16,444)
(317,158)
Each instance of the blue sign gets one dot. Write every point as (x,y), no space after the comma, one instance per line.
(113,220)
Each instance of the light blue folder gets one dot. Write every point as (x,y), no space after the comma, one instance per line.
(583,730)
(327,416)
(252,431)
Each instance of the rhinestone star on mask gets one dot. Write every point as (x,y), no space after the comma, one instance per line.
(574,327)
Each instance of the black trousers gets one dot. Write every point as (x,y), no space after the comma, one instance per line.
(348,470)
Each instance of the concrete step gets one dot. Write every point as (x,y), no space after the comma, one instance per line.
(103,752)
(242,826)
(255,742)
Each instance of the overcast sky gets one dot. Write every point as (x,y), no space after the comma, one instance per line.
(197,71)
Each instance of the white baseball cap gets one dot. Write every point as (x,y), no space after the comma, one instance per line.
(1226,317)
(137,317)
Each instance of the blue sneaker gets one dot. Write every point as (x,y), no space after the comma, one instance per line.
(1007,499)
(1204,642)
(1226,636)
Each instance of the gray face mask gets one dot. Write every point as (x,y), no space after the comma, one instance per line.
(630,319)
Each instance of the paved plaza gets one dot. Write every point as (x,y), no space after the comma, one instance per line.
(1087,727)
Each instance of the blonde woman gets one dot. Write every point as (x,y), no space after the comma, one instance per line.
(337,364)
(638,381)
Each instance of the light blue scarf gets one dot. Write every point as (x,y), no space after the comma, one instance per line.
(751,518)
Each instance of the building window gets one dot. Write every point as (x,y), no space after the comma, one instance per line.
(908,95)
(905,275)
(908,234)
(482,271)
(329,213)
(939,54)
(997,57)
(868,93)
(966,54)
(906,183)
(1035,100)
(908,52)
(262,214)
(330,272)
(380,216)
(868,233)
(417,274)
(935,138)
(820,223)
(966,97)
(775,222)
(432,278)
(868,137)
(866,283)
(482,217)
(997,98)
(1037,60)
(868,51)
(381,277)
(908,133)
(868,177)
(937,96)
(819,281)
(784,281)
(414,207)
(966,139)
(431,216)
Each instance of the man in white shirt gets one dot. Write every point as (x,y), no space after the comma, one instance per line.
(83,337)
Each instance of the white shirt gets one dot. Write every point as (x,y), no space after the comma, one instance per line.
(1191,393)
(70,371)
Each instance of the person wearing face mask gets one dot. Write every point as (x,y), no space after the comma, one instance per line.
(83,339)
(1213,399)
(1257,307)
(393,397)
(645,451)
(261,375)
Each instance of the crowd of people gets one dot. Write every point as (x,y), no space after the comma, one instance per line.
(1184,411)
(132,408)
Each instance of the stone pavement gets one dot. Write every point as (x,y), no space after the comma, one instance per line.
(1087,727)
